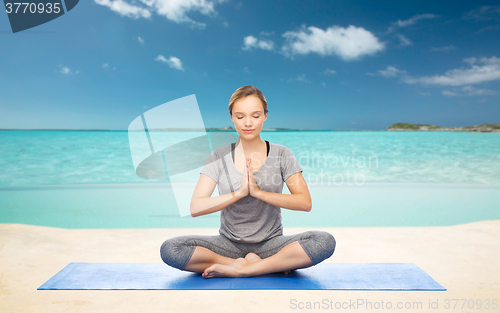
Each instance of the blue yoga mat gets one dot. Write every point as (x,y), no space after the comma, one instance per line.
(324,276)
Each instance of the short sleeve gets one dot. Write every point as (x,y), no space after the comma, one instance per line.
(289,164)
(212,166)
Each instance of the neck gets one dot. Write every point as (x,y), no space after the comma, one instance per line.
(251,145)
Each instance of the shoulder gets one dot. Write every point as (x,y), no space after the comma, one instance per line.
(215,161)
(219,153)
(222,150)
(281,150)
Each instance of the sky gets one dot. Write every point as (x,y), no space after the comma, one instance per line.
(320,64)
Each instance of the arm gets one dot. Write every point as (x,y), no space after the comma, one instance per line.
(298,200)
(202,203)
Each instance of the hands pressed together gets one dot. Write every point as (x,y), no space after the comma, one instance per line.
(248,184)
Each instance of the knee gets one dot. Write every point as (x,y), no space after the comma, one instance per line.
(326,241)
(167,251)
(171,252)
(329,242)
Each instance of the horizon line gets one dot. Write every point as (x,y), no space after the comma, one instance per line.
(187,129)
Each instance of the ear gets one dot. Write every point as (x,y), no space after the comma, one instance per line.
(265,117)
(232,118)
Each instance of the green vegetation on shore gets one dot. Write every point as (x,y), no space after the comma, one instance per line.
(427,127)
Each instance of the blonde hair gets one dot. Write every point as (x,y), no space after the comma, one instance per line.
(246,91)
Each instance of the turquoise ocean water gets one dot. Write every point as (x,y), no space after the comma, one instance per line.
(86,179)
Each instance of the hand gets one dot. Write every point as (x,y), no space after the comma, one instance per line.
(243,191)
(252,185)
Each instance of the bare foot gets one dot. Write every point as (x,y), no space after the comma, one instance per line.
(234,269)
(252,257)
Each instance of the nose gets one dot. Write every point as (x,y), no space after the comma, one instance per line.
(248,122)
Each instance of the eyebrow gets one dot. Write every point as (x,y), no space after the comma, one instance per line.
(260,111)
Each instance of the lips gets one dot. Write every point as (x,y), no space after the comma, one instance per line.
(248,131)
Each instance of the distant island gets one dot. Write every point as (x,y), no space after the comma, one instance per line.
(226,128)
(484,128)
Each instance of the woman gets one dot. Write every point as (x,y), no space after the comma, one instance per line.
(249,175)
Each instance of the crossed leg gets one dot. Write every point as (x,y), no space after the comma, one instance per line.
(206,261)
(291,257)
(281,254)
(203,258)
(252,257)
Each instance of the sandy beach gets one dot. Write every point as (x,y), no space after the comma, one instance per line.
(463,258)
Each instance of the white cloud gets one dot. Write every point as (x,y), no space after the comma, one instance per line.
(347,43)
(486,12)
(443,49)
(174,10)
(263,33)
(299,78)
(66,70)
(449,93)
(141,41)
(469,91)
(252,42)
(480,71)
(391,71)
(122,7)
(329,71)
(414,19)
(403,40)
(173,62)
(106,65)
(411,21)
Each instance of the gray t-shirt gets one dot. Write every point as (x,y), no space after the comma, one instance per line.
(250,220)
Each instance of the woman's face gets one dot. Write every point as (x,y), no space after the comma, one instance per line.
(248,117)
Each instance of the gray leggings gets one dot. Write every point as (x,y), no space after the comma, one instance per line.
(177,251)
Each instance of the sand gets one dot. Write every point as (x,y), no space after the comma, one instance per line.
(463,258)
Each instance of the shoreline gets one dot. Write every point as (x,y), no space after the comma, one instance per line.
(462,258)
(269,130)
